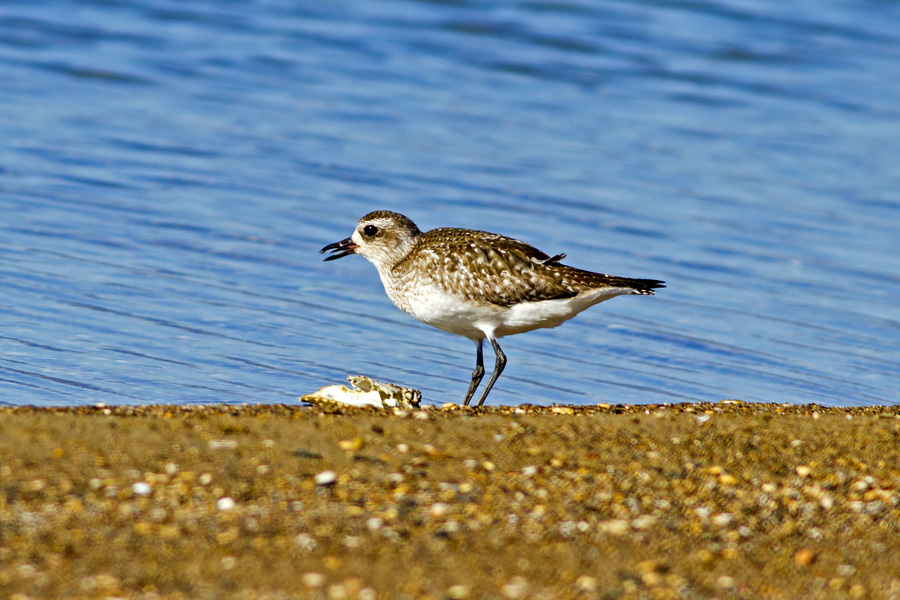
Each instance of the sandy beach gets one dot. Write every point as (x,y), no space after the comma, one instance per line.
(727,500)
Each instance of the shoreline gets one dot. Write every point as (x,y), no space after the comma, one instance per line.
(611,501)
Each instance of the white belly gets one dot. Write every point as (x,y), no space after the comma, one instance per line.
(435,307)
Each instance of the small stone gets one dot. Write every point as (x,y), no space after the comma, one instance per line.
(326,478)
(458,592)
(649,566)
(226,503)
(616,527)
(306,542)
(141,489)
(439,509)
(586,583)
(804,556)
(728,479)
(517,587)
(313,580)
(352,541)
(725,582)
(351,445)
(803,470)
(222,444)
(722,519)
(435,454)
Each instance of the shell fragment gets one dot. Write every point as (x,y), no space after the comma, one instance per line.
(366,392)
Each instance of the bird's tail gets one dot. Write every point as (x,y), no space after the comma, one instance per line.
(644,287)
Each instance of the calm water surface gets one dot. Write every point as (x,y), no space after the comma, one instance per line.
(169,170)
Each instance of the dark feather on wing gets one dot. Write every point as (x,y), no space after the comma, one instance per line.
(493,268)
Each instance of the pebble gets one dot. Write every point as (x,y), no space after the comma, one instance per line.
(516,588)
(804,556)
(725,582)
(458,592)
(313,580)
(616,527)
(351,445)
(141,489)
(586,583)
(226,503)
(325,478)
(643,522)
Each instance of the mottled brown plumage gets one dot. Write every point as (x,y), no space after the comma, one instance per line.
(492,268)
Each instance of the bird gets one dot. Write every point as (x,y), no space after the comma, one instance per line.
(477,284)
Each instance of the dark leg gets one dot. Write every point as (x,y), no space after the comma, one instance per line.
(477,374)
(498,368)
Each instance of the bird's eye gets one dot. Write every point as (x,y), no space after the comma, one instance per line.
(370,230)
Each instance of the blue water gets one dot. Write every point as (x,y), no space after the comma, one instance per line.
(169,170)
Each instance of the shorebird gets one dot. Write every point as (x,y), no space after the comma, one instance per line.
(476,284)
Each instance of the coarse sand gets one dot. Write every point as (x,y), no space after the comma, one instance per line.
(726,500)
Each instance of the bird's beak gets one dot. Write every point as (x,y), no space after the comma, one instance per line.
(339,249)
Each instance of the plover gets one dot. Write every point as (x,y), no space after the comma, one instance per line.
(476,284)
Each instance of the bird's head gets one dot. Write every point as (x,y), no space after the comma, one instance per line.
(383,237)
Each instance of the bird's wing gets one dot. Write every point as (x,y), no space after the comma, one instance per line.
(491,268)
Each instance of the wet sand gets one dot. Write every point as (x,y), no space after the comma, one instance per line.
(730,500)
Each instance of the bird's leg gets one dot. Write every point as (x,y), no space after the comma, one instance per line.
(498,368)
(477,374)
